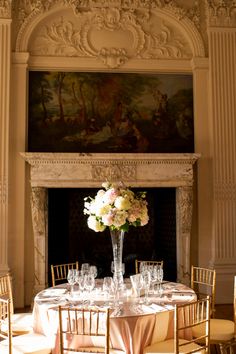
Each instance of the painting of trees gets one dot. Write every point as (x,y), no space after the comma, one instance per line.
(110,112)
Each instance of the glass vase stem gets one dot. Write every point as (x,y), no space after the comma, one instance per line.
(117,238)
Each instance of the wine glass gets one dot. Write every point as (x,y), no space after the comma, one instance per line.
(160,275)
(93,270)
(89,284)
(137,284)
(142,266)
(85,268)
(71,279)
(146,283)
(107,287)
(79,278)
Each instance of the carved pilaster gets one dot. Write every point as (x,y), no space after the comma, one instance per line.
(5,8)
(39,204)
(221,13)
(222,50)
(5,36)
(184,205)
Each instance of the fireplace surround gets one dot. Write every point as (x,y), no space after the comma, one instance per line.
(81,170)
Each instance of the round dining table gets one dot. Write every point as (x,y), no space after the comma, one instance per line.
(135,322)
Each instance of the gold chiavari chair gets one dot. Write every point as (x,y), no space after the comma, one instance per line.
(21,322)
(86,323)
(30,343)
(186,318)
(5,325)
(138,262)
(203,282)
(59,272)
(223,332)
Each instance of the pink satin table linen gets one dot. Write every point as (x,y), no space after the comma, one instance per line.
(131,328)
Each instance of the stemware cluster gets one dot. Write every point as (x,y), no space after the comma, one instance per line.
(84,278)
(149,279)
(150,275)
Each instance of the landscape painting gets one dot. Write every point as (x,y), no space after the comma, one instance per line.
(91,112)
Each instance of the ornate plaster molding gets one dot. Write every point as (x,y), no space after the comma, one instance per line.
(79,170)
(222,13)
(149,30)
(83,39)
(5,8)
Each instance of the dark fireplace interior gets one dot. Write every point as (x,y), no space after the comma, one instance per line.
(70,239)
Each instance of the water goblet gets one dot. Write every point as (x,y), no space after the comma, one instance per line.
(137,284)
(79,278)
(89,284)
(160,278)
(85,268)
(93,270)
(142,266)
(107,287)
(71,279)
(146,283)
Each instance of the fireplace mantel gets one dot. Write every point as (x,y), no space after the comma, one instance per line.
(85,170)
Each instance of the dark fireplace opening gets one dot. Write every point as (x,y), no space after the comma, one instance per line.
(70,239)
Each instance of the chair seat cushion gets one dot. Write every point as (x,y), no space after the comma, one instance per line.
(21,323)
(167,347)
(31,343)
(220,330)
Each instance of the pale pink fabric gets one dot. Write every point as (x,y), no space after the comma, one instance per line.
(129,331)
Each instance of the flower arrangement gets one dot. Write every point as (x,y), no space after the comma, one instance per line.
(116,207)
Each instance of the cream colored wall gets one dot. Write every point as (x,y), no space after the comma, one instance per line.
(137,47)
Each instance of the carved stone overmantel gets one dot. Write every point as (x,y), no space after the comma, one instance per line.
(75,170)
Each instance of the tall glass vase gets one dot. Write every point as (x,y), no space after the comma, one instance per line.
(117,238)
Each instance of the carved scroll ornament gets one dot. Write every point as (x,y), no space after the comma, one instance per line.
(134,28)
(91,37)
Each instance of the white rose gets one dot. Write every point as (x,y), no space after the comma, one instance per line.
(94,224)
(122,203)
(102,209)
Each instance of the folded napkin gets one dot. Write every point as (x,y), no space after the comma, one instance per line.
(182,297)
(52,292)
(157,308)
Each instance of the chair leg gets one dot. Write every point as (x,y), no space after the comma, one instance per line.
(215,349)
(226,348)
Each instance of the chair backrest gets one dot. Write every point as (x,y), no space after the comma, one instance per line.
(6,289)
(203,282)
(59,272)
(138,262)
(5,317)
(235,304)
(80,326)
(187,316)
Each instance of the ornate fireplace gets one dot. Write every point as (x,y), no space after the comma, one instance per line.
(79,170)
